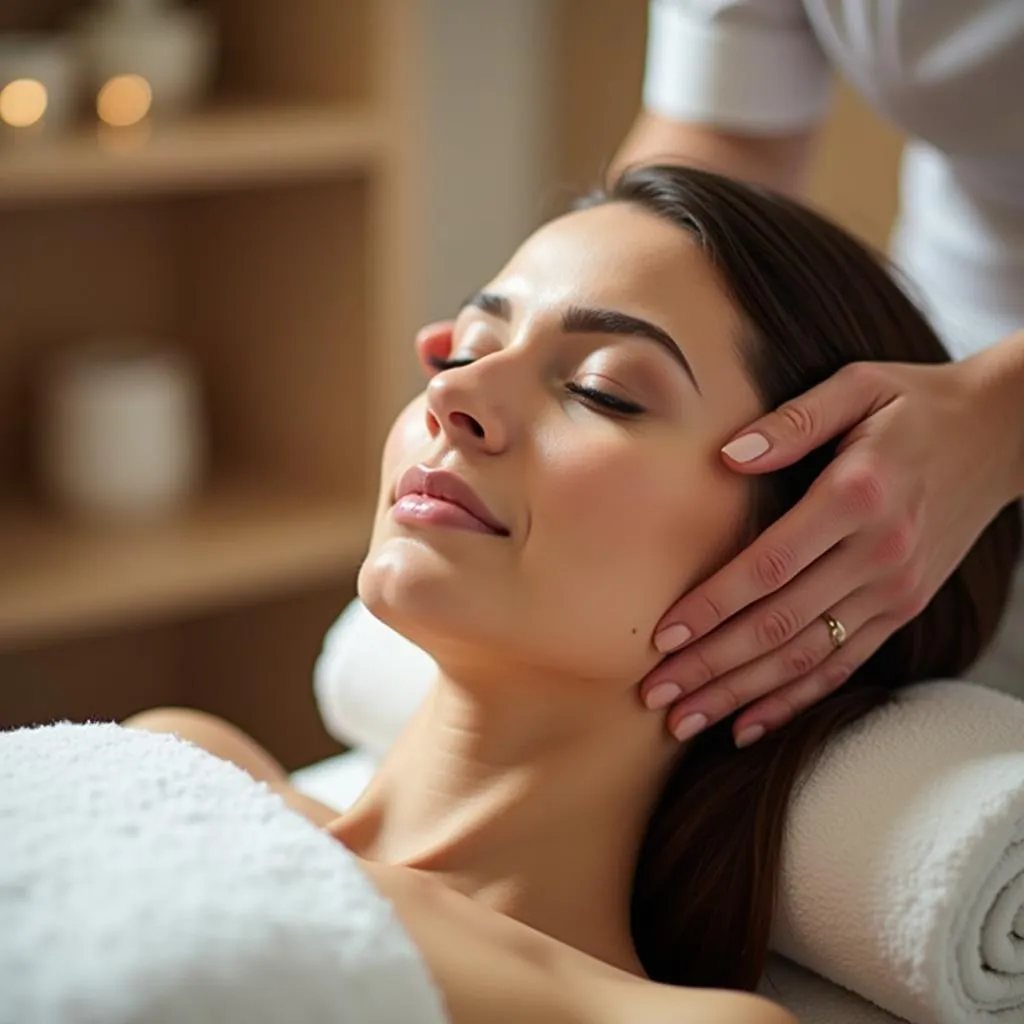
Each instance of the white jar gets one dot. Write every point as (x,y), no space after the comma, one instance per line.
(172,48)
(121,436)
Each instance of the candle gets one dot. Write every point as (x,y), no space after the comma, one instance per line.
(124,100)
(145,59)
(37,82)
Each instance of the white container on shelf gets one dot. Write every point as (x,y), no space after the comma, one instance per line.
(39,81)
(172,48)
(121,434)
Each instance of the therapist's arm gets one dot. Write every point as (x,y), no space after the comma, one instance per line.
(780,161)
(1002,369)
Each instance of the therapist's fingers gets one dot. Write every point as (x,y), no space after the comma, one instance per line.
(830,511)
(797,427)
(434,341)
(804,653)
(780,706)
(765,628)
(846,497)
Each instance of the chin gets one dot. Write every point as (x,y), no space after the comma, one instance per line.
(456,621)
(417,593)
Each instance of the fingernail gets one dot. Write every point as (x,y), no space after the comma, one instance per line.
(662,695)
(689,727)
(750,735)
(671,637)
(747,447)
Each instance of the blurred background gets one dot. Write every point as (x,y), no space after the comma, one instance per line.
(220,224)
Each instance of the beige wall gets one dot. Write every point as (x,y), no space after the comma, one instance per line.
(485,97)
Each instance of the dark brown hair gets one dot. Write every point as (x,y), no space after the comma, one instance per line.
(814,300)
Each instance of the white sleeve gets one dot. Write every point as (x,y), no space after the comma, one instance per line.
(745,65)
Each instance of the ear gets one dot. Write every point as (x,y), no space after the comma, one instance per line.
(434,342)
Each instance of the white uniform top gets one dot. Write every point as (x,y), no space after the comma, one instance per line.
(950,73)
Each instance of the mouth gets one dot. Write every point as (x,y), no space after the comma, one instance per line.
(439,497)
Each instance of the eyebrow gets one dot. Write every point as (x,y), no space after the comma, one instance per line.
(587,320)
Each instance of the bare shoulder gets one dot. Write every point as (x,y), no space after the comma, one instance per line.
(664,1005)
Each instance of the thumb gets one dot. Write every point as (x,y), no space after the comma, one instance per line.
(796,428)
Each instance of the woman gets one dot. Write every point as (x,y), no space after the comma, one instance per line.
(541,503)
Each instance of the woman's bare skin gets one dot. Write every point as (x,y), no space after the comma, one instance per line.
(488,966)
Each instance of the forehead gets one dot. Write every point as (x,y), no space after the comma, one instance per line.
(622,257)
(624,251)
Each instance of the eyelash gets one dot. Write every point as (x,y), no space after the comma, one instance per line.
(601,399)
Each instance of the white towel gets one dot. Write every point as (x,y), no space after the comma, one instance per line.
(369,680)
(903,875)
(338,781)
(142,879)
(903,871)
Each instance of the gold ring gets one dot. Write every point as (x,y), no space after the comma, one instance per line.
(836,630)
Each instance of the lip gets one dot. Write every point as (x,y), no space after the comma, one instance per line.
(442,485)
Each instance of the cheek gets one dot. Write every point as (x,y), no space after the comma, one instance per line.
(623,530)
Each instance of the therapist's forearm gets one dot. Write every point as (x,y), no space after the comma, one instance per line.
(1015,383)
(999,374)
(781,162)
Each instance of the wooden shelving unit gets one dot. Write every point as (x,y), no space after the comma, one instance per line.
(273,236)
(224,148)
(61,578)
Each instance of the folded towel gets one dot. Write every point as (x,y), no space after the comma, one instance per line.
(903,873)
(142,879)
(903,869)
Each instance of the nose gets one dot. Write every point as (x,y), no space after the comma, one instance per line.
(461,405)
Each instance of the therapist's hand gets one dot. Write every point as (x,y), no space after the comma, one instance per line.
(931,454)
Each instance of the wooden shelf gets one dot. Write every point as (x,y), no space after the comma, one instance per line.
(230,147)
(278,237)
(240,541)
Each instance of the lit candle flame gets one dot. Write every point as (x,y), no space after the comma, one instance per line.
(124,100)
(23,102)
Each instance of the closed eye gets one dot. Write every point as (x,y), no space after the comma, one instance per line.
(605,400)
(441,364)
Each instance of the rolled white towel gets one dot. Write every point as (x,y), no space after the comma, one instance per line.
(369,680)
(142,879)
(903,868)
(903,872)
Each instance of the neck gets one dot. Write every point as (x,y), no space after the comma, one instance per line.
(531,803)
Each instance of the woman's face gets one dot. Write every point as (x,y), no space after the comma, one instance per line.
(602,378)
